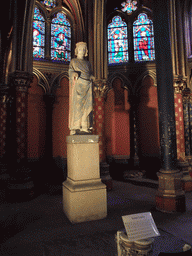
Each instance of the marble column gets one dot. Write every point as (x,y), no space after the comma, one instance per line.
(21,183)
(99,118)
(170,196)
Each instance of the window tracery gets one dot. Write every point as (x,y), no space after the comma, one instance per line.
(130,37)
(51,36)
(129,6)
(48,3)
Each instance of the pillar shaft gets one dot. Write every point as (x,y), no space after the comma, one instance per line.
(170,196)
(99,119)
(179,121)
(20,185)
(165,85)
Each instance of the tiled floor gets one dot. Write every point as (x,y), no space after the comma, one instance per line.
(33,228)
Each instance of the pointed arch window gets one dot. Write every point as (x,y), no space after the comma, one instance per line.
(38,35)
(51,35)
(130,36)
(60,38)
(117,41)
(143,37)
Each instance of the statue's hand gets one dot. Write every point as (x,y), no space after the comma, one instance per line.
(92,78)
(75,76)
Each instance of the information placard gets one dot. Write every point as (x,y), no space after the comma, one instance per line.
(140,226)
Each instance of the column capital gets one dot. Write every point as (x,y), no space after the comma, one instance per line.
(100,88)
(179,84)
(21,80)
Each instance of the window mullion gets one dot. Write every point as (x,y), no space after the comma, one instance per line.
(48,39)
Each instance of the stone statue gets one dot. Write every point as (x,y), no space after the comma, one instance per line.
(80,92)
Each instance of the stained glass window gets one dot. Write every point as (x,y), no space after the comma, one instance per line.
(117,41)
(49,3)
(129,6)
(143,36)
(38,35)
(60,38)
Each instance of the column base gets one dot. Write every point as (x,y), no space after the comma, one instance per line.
(170,204)
(84,200)
(170,196)
(185,168)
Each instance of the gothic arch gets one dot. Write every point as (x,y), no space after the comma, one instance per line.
(42,80)
(76,12)
(57,80)
(126,83)
(139,82)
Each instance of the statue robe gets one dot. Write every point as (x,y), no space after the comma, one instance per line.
(80,96)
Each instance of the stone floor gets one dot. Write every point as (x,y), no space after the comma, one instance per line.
(39,227)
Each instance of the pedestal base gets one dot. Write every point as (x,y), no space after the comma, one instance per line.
(170,196)
(84,200)
(84,195)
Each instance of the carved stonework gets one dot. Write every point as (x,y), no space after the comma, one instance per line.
(100,87)
(179,85)
(21,80)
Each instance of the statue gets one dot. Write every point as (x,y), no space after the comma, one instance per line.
(80,92)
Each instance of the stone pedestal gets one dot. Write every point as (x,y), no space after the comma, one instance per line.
(170,196)
(84,195)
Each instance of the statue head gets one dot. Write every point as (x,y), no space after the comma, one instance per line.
(81,44)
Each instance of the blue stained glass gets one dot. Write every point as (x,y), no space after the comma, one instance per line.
(117,41)
(49,3)
(143,36)
(38,35)
(129,6)
(60,38)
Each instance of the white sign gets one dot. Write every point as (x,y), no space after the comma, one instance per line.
(140,226)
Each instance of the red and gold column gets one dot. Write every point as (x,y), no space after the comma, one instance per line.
(3,115)
(21,184)
(183,164)
(179,122)
(98,128)
(4,99)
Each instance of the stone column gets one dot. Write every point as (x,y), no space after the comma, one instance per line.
(170,196)
(21,184)
(99,118)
